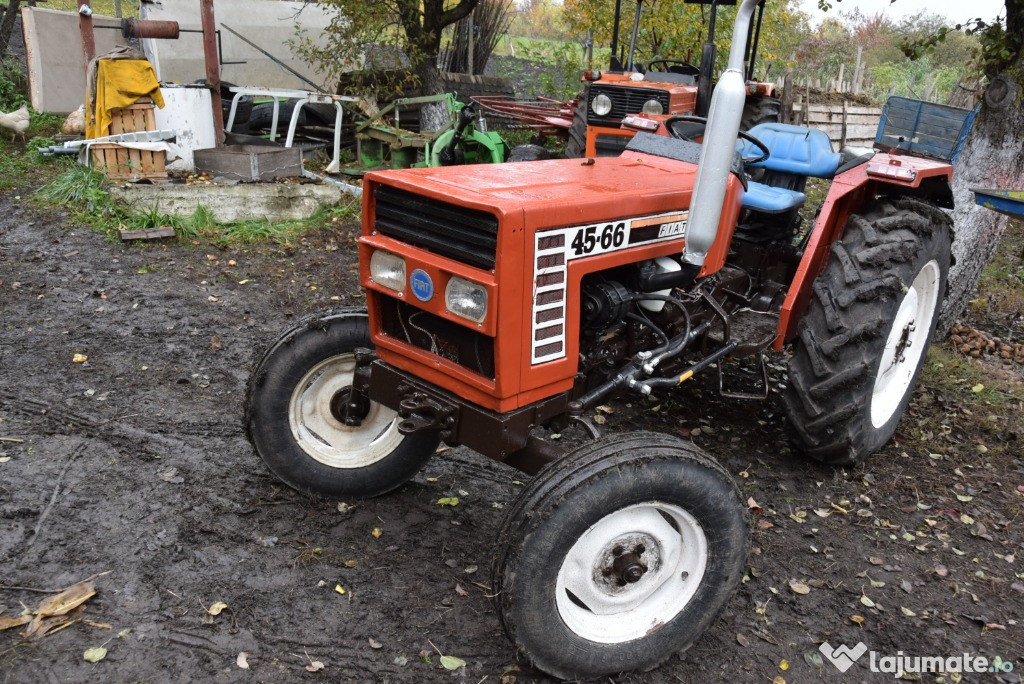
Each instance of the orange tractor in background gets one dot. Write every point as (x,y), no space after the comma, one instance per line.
(662,86)
(506,301)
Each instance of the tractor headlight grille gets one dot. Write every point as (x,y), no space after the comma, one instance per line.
(624,100)
(466,235)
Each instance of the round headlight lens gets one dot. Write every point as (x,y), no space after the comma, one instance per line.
(653,107)
(467,299)
(602,105)
(388,269)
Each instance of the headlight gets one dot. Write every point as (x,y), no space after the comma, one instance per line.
(466,299)
(602,105)
(388,269)
(653,107)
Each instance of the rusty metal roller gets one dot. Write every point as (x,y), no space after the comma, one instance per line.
(147,28)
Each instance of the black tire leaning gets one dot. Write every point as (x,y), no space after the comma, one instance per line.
(269,398)
(574,494)
(523,153)
(834,371)
(760,109)
(576,145)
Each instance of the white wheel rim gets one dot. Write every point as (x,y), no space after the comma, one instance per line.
(598,607)
(905,344)
(324,437)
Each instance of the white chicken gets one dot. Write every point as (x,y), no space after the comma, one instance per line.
(16,122)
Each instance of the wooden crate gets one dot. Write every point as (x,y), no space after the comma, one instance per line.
(140,116)
(120,162)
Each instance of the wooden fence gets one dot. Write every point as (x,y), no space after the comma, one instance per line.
(846,125)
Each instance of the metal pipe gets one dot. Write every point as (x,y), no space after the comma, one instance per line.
(145,28)
(757,38)
(613,65)
(719,147)
(636,30)
(212,67)
(88,39)
(275,60)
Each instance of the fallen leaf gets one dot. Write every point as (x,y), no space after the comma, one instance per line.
(867,601)
(605,409)
(857,619)
(98,625)
(314,666)
(742,640)
(376,533)
(783,664)
(814,659)
(779,679)
(375,644)
(79,358)
(822,512)
(452,501)
(460,591)
(875,560)
(470,570)
(95,655)
(9,623)
(242,660)
(978,388)
(452,663)
(340,589)
(344,507)
(217,608)
(752,505)
(907,612)
(799,587)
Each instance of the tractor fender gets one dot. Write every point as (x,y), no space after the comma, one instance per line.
(849,193)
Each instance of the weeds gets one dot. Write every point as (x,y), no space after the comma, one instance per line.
(84,191)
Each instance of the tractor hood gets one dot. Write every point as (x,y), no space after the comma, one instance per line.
(556,192)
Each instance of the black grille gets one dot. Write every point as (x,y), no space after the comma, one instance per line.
(624,101)
(462,234)
(437,335)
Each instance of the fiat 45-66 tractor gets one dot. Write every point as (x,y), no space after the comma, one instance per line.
(506,299)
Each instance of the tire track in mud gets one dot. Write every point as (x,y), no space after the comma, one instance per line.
(115,432)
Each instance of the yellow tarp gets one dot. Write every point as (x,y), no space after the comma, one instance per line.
(119,83)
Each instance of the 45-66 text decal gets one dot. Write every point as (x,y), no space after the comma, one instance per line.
(590,238)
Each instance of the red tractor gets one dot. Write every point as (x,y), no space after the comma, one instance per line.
(508,299)
(662,86)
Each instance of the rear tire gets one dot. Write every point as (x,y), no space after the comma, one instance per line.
(760,109)
(291,421)
(867,329)
(576,146)
(619,555)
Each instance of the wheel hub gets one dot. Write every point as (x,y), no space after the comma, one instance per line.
(628,568)
(348,407)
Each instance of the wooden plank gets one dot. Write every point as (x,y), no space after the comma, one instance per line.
(146,234)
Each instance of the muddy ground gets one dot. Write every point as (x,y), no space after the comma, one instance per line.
(135,462)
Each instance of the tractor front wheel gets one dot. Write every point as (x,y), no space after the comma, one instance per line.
(867,329)
(619,555)
(298,420)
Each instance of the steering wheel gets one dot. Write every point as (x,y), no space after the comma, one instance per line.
(676,66)
(765,152)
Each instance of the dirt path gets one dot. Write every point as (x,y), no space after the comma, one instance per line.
(135,462)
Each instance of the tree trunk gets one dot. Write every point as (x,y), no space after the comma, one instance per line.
(432,116)
(993,157)
(7,25)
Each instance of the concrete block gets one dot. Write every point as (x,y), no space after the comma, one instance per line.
(228,203)
(250,162)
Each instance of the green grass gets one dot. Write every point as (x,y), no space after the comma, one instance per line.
(20,164)
(129,8)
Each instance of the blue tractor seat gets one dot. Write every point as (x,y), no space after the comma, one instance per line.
(794,149)
(770,199)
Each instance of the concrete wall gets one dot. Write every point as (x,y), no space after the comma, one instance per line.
(53,51)
(268,23)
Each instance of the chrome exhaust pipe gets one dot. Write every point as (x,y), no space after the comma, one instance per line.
(719,146)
